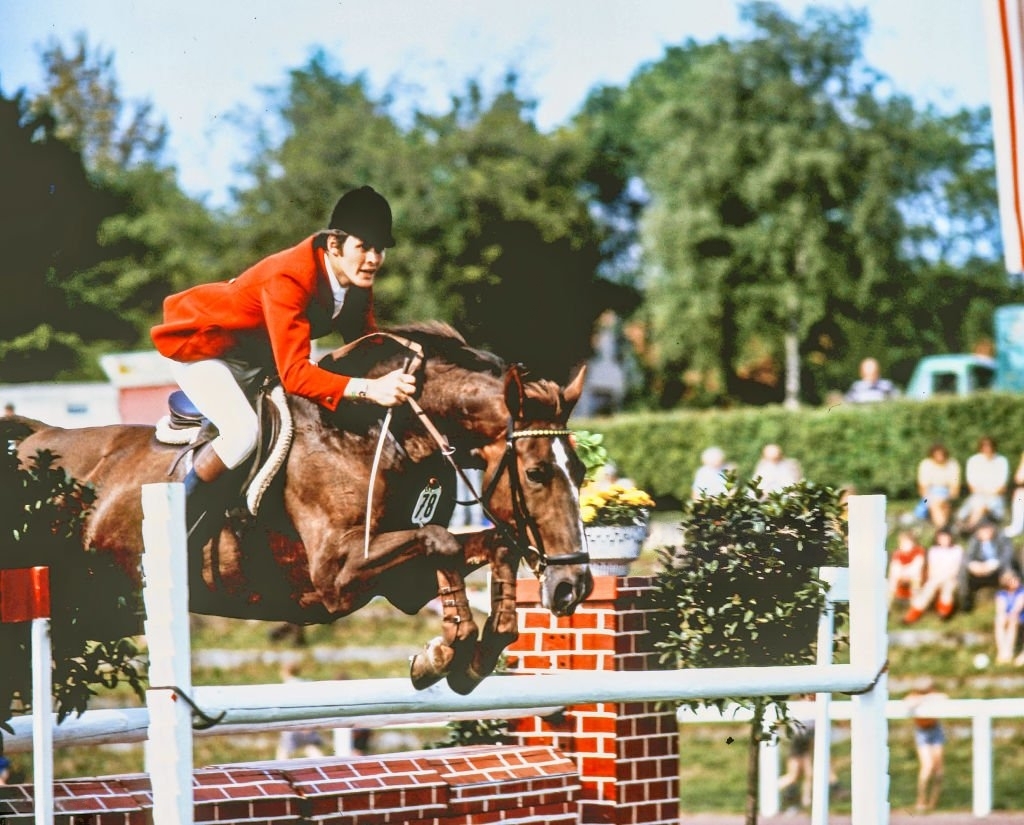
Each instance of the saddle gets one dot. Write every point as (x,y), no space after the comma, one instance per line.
(186,427)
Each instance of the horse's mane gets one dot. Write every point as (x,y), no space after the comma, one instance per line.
(439,341)
(444,341)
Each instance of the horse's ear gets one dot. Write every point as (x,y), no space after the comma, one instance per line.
(515,395)
(571,394)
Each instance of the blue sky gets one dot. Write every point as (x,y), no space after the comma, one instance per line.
(199,60)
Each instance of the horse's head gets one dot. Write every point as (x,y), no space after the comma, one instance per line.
(533,477)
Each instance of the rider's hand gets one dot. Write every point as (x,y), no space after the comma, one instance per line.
(392,389)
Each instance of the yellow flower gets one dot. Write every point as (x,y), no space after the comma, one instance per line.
(614,504)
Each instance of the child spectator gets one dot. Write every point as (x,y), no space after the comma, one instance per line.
(929,739)
(989,553)
(938,484)
(906,568)
(944,560)
(1009,613)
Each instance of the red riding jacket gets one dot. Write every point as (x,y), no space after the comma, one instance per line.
(267,316)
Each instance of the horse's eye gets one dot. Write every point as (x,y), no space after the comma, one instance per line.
(539,474)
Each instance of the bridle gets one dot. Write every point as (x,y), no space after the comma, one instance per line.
(526,524)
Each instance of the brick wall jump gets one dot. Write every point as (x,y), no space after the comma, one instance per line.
(448,786)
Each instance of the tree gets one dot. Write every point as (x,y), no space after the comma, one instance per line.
(100,231)
(91,116)
(793,206)
(50,213)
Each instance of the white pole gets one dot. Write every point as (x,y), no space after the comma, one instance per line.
(838,581)
(981,728)
(42,720)
(165,569)
(869,642)
(768,754)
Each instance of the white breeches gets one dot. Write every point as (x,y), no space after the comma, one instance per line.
(212,387)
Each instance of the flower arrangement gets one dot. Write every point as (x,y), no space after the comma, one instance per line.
(614,505)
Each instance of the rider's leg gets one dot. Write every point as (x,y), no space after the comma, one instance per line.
(212,387)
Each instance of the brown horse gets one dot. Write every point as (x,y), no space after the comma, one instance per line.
(303,558)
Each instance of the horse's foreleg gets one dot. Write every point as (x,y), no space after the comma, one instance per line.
(454,648)
(343,571)
(501,628)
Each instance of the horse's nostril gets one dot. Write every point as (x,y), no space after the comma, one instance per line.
(565,598)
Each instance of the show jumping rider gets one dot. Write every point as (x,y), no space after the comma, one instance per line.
(222,336)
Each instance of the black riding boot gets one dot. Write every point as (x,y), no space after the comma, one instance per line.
(209,489)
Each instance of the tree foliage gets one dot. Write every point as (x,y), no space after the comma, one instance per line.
(792,199)
(50,214)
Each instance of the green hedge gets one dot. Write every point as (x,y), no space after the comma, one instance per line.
(874,447)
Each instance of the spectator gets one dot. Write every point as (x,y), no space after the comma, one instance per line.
(799,765)
(776,471)
(987,474)
(709,480)
(945,558)
(929,739)
(5,770)
(1017,502)
(989,553)
(1008,616)
(297,742)
(871,386)
(8,410)
(906,568)
(938,484)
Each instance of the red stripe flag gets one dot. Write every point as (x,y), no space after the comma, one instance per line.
(1005,25)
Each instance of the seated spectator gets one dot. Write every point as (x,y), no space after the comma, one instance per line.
(987,473)
(709,480)
(989,553)
(776,471)
(938,484)
(1017,502)
(942,571)
(871,386)
(906,568)
(1009,615)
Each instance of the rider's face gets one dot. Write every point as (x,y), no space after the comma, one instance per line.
(355,262)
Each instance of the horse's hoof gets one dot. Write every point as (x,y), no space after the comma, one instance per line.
(430,665)
(463,683)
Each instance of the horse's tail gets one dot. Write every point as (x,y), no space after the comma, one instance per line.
(14,428)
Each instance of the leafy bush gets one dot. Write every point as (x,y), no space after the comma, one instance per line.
(42,513)
(743,589)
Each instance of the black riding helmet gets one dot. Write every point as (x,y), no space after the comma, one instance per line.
(365,213)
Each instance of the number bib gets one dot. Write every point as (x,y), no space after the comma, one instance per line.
(426,503)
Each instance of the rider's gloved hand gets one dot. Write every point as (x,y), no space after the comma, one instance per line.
(389,390)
